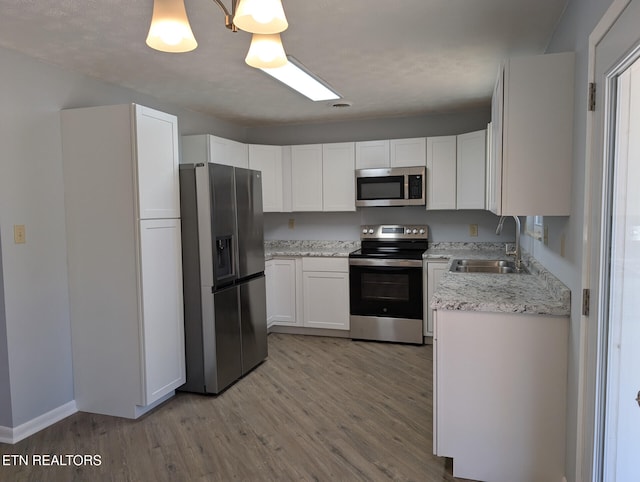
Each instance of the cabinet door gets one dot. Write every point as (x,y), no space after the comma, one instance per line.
(306,177)
(281,293)
(268,160)
(338,177)
(239,154)
(441,172)
(537,135)
(162,314)
(408,152)
(372,154)
(470,170)
(494,174)
(435,269)
(157,164)
(326,300)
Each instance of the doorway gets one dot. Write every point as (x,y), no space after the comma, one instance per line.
(615,250)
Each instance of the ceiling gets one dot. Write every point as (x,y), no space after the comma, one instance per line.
(387,58)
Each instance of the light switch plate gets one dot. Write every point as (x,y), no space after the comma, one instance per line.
(19,234)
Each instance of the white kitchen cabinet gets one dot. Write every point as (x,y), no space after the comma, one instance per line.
(373,154)
(456,171)
(161,279)
(470,170)
(306,177)
(205,148)
(441,172)
(325,290)
(281,280)
(532,133)
(120,167)
(499,394)
(338,177)
(408,152)
(434,269)
(268,160)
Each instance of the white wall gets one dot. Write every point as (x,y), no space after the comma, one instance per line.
(35,350)
(563,255)
(5,395)
(443,225)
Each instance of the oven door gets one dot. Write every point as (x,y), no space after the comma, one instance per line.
(387,288)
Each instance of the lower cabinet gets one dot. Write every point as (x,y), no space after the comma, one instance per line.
(432,273)
(500,394)
(281,291)
(325,291)
(308,292)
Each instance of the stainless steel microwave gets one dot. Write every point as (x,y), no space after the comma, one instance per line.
(401,186)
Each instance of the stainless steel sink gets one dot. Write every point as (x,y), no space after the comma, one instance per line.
(497,266)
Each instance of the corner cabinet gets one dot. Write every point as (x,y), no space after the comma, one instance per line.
(532,136)
(456,167)
(124,256)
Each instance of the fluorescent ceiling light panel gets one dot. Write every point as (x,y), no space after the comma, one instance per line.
(295,76)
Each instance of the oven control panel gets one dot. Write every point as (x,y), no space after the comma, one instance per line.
(394,231)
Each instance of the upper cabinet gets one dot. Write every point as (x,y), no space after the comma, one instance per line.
(306,177)
(268,160)
(408,152)
(322,177)
(456,171)
(441,172)
(338,177)
(470,170)
(532,135)
(372,154)
(391,153)
(208,148)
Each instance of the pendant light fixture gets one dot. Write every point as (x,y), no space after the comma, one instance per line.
(265,19)
(266,51)
(260,16)
(170,30)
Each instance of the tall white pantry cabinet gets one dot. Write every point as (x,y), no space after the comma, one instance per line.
(124,257)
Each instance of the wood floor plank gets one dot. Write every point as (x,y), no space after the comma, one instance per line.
(318,409)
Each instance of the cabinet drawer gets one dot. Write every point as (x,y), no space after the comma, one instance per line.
(340,265)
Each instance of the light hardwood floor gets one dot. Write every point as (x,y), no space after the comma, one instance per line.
(318,409)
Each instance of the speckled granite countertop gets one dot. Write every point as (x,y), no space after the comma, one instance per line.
(281,248)
(537,293)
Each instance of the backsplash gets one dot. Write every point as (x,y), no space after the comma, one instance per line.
(444,226)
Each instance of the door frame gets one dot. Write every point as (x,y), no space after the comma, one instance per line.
(588,434)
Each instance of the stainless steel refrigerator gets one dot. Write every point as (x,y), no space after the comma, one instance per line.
(223,268)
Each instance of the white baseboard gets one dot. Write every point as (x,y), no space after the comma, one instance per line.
(14,435)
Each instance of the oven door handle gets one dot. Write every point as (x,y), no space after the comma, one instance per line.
(401,263)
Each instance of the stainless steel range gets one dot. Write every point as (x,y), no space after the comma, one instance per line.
(385,284)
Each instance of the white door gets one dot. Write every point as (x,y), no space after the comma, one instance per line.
(615,273)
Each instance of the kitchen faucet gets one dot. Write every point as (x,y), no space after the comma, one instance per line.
(516,252)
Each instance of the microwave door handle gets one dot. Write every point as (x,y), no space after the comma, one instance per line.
(406,186)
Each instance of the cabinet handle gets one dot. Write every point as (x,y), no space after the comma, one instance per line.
(638,399)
